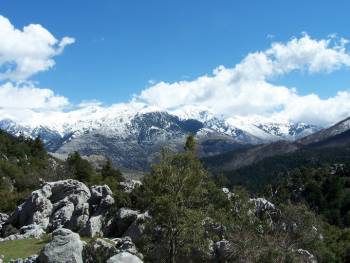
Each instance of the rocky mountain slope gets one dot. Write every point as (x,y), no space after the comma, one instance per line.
(336,135)
(335,131)
(131,135)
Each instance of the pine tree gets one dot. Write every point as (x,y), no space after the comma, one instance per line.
(190,145)
(109,171)
(81,169)
(175,193)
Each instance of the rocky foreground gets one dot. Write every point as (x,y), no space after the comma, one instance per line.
(68,210)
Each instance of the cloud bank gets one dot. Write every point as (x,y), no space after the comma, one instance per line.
(246,89)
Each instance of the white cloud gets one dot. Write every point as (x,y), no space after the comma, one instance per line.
(246,89)
(26,96)
(26,103)
(26,52)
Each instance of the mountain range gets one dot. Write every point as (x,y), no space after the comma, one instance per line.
(258,165)
(132,134)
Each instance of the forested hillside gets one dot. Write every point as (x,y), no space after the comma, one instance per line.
(25,165)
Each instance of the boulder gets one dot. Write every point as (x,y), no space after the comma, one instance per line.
(65,246)
(122,221)
(264,208)
(125,244)
(36,209)
(99,251)
(137,228)
(223,249)
(262,205)
(56,204)
(94,227)
(8,230)
(100,202)
(101,197)
(227,192)
(31,259)
(30,231)
(124,257)
(305,256)
(3,219)
(129,185)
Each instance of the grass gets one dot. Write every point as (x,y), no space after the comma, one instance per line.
(14,249)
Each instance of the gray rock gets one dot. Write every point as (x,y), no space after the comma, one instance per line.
(99,251)
(227,192)
(124,257)
(94,227)
(137,228)
(3,219)
(36,209)
(122,221)
(261,205)
(1,258)
(129,185)
(305,256)
(65,246)
(63,212)
(30,231)
(56,204)
(223,249)
(100,202)
(264,208)
(125,244)
(31,259)
(101,197)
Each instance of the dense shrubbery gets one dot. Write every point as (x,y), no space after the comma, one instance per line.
(22,163)
(326,190)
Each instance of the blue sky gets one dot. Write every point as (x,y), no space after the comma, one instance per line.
(121,45)
(272,58)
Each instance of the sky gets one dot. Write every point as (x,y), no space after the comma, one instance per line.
(270,58)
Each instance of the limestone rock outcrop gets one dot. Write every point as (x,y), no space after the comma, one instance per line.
(65,246)
(55,205)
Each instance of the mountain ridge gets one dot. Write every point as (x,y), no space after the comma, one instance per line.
(132,134)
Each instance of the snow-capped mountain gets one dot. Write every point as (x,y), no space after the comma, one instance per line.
(131,134)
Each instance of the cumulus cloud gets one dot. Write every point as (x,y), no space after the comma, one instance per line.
(243,90)
(247,88)
(27,104)
(26,52)
(26,96)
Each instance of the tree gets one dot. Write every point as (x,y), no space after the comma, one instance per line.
(190,144)
(108,171)
(81,169)
(175,193)
(37,147)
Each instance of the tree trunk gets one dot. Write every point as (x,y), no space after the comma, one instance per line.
(172,256)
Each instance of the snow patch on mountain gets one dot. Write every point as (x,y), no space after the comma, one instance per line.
(117,121)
